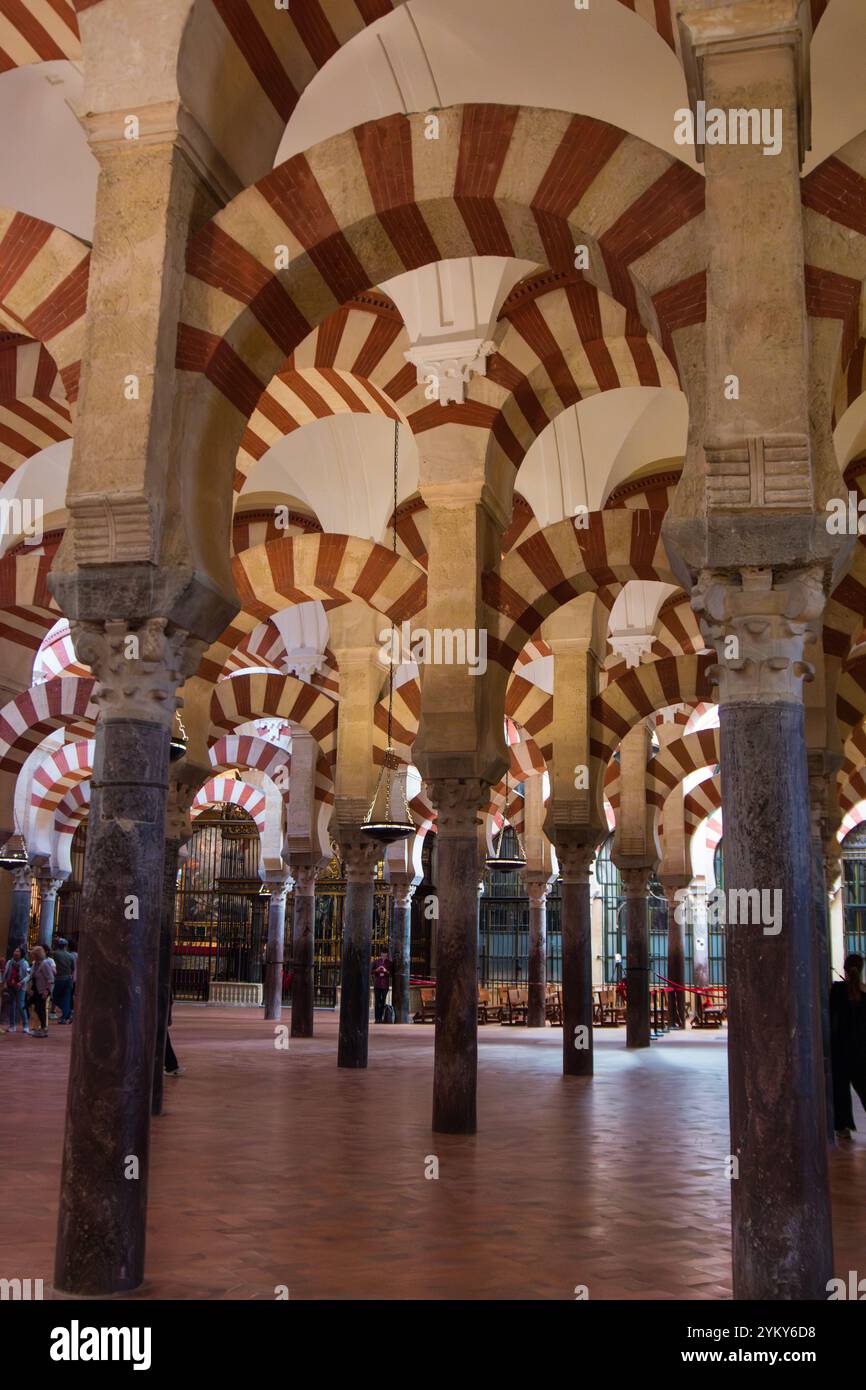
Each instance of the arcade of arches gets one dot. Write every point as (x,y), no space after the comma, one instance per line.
(392,410)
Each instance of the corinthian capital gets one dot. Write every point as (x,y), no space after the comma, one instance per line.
(458,801)
(760,626)
(137,669)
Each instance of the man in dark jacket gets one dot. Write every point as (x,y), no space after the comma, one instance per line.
(64,964)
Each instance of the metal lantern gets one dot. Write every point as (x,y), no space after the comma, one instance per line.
(506,862)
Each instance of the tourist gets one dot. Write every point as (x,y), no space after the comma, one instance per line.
(15,978)
(172,1066)
(848,1043)
(41,984)
(381,971)
(64,963)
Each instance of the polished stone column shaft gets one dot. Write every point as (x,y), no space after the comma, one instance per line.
(275,949)
(19,913)
(303,950)
(402,900)
(103,1194)
(575,863)
(163,984)
(360,861)
(455,1065)
(637,1014)
(676,957)
(536,891)
(48,888)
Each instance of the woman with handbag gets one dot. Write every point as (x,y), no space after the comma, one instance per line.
(15,978)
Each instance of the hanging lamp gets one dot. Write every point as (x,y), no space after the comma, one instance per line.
(506,862)
(381,823)
(14,853)
(178,743)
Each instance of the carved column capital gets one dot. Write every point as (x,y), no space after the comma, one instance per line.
(458,801)
(359,858)
(575,862)
(22,879)
(49,885)
(278,886)
(305,880)
(137,669)
(402,892)
(760,625)
(178,823)
(537,886)
(635,881)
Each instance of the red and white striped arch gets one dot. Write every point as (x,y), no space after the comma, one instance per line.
(564,561)
(642,691)
(43,289)
(33,409)
(38,31)
(371,203)
(56,655)
(219,790)
(330,568)
(245,750)
(58,772)
(25,721)
(245,698)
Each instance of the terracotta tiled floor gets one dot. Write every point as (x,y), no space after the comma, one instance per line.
(274,1168)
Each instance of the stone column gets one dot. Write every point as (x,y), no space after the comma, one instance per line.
(303,949)
(103,1191)
(279,885)
(676,948)
(402,894)
(537,886)
(635,882)
(575,862)
(823,768)
(455,1066)
(359,858)
(164,961)
(19,915)
(782,1243)
(700,934)
(48,889)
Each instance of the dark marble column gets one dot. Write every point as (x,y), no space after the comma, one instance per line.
(676,952)
(536,891)
(780,1206)
(19,913)
(163,984)
(455,1065)
(359,859)
(402,900)
(48,888)
(575,862)
(635,881)
(303,949)
(275,951)
(103,1190)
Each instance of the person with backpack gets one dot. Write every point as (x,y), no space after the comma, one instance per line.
(15,978)
(41,985)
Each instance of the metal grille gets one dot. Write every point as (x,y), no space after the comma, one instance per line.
(854,870)
(221,916)
(503,927)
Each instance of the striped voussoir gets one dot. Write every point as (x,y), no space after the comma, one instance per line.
(37,31)
(670,765)
(406,713)
(371,203)
(43,289)
(531,708)
(851,697)
(257,527)
(563,561)
(218,791)
(331,568)
(513,811)
(64,702)
(702,801)
(33,410)
(246,698)
(70,812)
(640,692)
(245,750)
(851,789)
(59,771)
(56,656)
(561,346)
(654,493)
(265,647)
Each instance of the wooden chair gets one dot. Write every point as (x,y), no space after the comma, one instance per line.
(427,1011)
(710,1011)
(516,1006)
(488,1012)
(553,1005)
